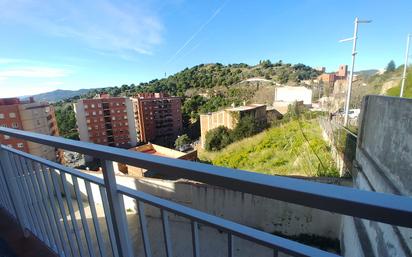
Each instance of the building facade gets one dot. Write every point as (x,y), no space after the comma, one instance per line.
(107,120)
(289,94)
(330,78)
(30,116)
(159,117)
(230,117)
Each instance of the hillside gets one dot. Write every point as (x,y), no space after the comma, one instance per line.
(367,83)
(285,150)
(59,94)
(206,77)
(395,91)
(209,87)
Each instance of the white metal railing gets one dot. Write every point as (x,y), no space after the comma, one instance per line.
(36,192)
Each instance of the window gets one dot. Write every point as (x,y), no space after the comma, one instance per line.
(101,119)
(9,145)
(14,125)
(125,117)
(87,113)
(126,124)
(99,105)
(86,106)
(94,113)
(3,125)
(117,104)
(113,118)
(1,115)
(100,112)
(20,145)
(6,137)
(93,105)
(88,121)
(12,115)
(89,128)
(118,111)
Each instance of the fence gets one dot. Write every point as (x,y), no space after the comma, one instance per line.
(343,142)
(32,190)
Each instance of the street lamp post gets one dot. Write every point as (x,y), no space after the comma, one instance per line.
(349,90)
(406,64)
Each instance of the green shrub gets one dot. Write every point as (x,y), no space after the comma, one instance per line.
(217,138)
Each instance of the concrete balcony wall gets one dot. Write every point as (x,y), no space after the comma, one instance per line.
(383,164)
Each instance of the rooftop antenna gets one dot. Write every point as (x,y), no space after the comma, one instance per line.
(354,40)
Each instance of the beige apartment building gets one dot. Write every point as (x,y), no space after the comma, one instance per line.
(107,120)
(30,116)
(229,118)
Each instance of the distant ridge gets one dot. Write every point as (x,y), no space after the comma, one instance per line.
(59,94)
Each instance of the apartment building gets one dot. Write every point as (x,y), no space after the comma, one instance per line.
(230,117)
(159,117)
(31,116)
(107,120)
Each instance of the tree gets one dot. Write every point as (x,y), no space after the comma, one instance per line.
(246,127)
(182,140)
(66,121)
(391,66)
(217,138)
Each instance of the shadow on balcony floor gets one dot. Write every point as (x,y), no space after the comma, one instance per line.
(13,243)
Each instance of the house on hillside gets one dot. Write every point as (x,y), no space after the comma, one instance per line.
(230,117)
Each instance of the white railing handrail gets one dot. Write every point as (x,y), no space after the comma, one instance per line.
(386,208)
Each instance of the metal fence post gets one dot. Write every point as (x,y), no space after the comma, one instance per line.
(14,193)
(114,198)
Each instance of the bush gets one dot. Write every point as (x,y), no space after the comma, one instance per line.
(218,138)
(182,140)
(245,128)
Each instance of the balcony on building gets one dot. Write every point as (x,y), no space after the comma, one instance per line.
(69,212)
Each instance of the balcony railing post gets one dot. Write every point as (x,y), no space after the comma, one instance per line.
(14,193)
(114,198)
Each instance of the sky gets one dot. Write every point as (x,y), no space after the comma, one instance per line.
(57,44)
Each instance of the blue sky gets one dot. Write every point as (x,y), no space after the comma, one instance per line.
(47,45)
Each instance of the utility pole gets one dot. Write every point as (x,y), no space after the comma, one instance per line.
(349,90)
(406,64)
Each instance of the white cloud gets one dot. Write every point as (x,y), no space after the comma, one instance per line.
(101,24)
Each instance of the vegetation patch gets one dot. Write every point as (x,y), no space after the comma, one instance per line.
(395,91)
(295,147)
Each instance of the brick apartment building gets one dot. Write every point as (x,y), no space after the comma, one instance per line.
(107,120)
(159,117)
(31,116)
